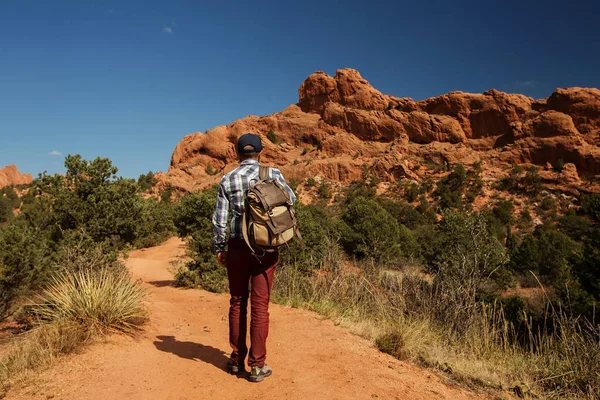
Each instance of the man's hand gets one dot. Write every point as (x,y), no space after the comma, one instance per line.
(222,259)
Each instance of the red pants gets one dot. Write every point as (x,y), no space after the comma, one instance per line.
(244,268)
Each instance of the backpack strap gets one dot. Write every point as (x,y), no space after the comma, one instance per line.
(264,172)
(300,239)
(244,232)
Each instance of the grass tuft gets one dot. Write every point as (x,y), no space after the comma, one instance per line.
(75,308)
(103,301)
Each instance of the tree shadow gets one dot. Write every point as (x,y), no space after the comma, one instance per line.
(165,283)
(193,351)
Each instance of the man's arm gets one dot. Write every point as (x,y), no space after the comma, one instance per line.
(219,219)
(279,177)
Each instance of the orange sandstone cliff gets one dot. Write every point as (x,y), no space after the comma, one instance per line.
(342,124)
(10,175)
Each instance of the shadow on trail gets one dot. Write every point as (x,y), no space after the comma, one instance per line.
(160,284)
(192,351)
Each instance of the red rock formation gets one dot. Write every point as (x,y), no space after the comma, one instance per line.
(342,124)
(10,175)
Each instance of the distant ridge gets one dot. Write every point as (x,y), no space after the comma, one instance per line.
(10,175)
(342,125)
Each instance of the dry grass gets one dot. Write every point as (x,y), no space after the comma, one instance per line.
(102,301)
(75,308)
(407,316)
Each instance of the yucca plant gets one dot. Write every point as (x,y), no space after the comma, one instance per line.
(103,301)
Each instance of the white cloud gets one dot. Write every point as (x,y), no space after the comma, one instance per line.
(167,29)
(55,153)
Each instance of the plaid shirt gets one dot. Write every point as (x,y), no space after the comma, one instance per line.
(230,196)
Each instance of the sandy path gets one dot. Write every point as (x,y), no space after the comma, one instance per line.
(182,354)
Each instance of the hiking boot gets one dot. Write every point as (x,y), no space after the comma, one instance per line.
(257,374)
(234,368)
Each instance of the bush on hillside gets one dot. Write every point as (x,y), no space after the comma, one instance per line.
(147,181)
(466,257)
(324,191)
(590,206)
(272,137)
(546,252)
(523,181)
(370,231)
(460,188)
(359,189)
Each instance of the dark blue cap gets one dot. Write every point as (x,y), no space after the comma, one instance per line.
(249,139)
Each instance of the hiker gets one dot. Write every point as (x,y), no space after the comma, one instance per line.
(243,265)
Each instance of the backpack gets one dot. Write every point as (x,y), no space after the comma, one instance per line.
(269,220)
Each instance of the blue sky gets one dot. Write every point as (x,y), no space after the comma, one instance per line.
(128,79)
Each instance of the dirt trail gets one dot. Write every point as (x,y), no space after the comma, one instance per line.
(182,353)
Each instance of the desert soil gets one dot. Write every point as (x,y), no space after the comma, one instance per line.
(183,350)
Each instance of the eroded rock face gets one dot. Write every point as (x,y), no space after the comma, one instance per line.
(10,175)
(583,105)
(342,124)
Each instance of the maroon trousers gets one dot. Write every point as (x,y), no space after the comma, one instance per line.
(243,268)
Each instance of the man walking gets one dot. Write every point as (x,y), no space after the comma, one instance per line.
(242,266)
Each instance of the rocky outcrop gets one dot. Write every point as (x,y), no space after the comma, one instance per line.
(342,124)
(10,175)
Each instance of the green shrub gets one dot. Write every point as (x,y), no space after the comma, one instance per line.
(156,223)
(546,252)
(412,192)
(293,184)
(590,206)
(311,182)
(370,231)
(317,228)
(523,181)
(194,212)
(460,188)
(272,137)
(85,216)
(193,220)
(147,181)
(210,170)
(359,189)
(324,190)
(503,210)
(26,256)
(6,210)
(466,257)
(166,193)
(404,213)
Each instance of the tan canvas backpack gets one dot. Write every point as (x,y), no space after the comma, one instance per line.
(269,221)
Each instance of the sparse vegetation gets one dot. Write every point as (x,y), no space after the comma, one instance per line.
(147,182)
(193,217)
(272,137)
(324,190)
(75,308)
(422,274)
(460,188)
(62,248)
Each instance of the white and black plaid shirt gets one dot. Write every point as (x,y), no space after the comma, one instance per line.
(230,196)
